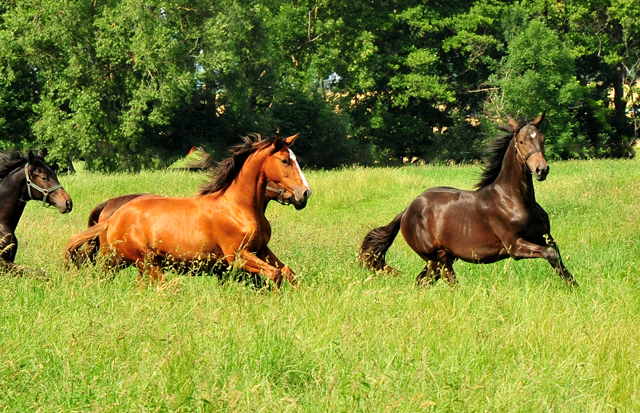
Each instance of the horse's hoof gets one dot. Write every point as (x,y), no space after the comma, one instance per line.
(289,275)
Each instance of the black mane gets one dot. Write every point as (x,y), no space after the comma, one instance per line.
(223,176)
(9,161)
(12,159)
(495,154)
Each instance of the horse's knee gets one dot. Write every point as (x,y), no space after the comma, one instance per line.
(551,255)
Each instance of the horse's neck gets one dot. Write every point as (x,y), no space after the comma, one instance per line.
(249,188)
(514,179)
(12,198)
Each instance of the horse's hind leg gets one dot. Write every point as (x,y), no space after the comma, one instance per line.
(445,267)
(151,267)
(429,275)
(447,273)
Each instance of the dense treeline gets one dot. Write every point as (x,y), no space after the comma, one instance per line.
(126,84)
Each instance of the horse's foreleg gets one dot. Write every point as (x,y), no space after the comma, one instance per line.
(559,265)
(8,267)
(271,258)
(8,247)
(254,264)
(525,249)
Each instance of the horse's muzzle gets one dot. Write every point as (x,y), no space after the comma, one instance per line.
(541,172)
(62,201)
(300,205)
(299,200)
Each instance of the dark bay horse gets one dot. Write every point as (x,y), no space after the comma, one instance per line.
(501,219)
(103,211)
(224,222)
(21,180)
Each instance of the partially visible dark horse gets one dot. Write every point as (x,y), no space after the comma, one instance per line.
(21,180)
(501,219)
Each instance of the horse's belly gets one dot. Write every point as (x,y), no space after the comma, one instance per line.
(474,243)
(184,245)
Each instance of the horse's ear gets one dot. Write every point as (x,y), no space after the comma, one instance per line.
(537,121)
(42,153)
(513,123)
(31,158)
(278,143)
(291,139)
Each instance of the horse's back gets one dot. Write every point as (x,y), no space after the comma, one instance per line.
(151,209)
(444,198)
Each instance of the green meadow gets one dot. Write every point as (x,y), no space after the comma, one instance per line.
(509,337)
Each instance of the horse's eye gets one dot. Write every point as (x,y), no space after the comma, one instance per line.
(285,161)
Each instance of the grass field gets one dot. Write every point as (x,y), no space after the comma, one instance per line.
(509,337)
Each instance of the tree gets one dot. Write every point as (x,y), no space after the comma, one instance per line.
(108,75)
(538,74)
(605,38)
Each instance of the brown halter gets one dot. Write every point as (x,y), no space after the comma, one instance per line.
(527,156)
(280,191)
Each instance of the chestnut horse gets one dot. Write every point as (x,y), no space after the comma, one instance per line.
(102,212)
(225,222)
(501,219)
(21,180)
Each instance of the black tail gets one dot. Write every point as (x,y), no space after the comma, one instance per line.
(377,242)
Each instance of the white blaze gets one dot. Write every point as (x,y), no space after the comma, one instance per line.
(295,160)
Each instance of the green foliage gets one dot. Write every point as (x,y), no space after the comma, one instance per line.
(131,84)
(323,132)
(538,74)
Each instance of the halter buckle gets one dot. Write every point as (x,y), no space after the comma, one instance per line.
(280,192)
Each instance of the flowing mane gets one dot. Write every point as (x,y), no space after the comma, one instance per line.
(496,150)
(9,161)
(222,177)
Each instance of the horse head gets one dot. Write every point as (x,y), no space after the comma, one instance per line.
(529,143)
(283,169)
(43,184)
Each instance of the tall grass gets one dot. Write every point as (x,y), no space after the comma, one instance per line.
(510,337)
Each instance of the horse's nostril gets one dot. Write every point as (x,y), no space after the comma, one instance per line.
(69,204)
(306,194)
